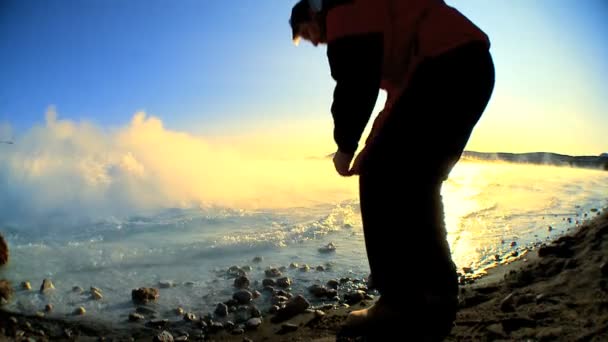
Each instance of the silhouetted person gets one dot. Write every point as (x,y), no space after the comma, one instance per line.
(438,73)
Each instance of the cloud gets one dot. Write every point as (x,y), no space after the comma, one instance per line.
(77,169)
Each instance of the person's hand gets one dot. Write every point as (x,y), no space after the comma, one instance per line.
(342,163)
(357,164)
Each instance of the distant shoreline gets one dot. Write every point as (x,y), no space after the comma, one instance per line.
(541,158)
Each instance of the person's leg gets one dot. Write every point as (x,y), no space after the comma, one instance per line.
(444,102)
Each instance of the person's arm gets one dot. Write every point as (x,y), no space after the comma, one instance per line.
(356,66)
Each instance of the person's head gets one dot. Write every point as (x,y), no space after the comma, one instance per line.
(307,23)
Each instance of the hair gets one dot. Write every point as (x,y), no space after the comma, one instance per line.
(302,13)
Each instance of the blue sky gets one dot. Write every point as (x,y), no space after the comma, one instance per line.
(212,67)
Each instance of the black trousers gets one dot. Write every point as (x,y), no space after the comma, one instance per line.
(401,178)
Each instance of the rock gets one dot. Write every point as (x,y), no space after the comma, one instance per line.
(179,311)
(158,323)
(255,312)
(221,310)
(164,336)
(282,268)
(604,269)
(268,282)
(293,265)
(241,282)
(165,284)
(48,308)
(6,290)
(247,268)
(284,282)
(96,295)
(253,323)
(355,297)
(229,325)
(242,296)
(329,248)
(507,304)
(47,286)
(272,273)
(238,331)
(256,294)
(235,271)
(283,293)
(135,317)
(190,317)
(304,268)
(77,289)
(332,284)
(4,253)
(320,268)
(257,259)
(318,290)
(80,311)
(144,295)
(288,327)
(294,306)
(277,300)
(242,314)
(273,309)
(25,285)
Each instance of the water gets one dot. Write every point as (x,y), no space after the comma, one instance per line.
(492,211)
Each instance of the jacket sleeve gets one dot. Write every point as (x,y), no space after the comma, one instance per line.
(356,66)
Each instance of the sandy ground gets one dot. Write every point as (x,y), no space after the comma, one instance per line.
(558,292)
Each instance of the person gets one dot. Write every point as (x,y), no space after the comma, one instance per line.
(438,73)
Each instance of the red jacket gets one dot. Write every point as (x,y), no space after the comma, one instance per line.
(378,44)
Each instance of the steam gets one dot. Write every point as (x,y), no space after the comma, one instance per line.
(79,169)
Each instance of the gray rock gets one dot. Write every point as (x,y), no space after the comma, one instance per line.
(288,327)
(257,259)
(276,300)
(190,317)
(144,295)
(329,248)
(293,265)
(243,296)
(134,317)
(253,323)
(164,336)
(284,282)
(255,312)
(165,284)
(294,306)
(77,289)
(241,282)
(304,268)
(268,282)
(47,286)
(221,310)
(272,273)
(333,284)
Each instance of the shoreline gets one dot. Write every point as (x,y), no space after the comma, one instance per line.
(557,291)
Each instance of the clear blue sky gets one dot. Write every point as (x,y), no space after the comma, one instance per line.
(216,66)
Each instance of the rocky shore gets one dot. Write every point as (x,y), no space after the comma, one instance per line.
(558,291)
